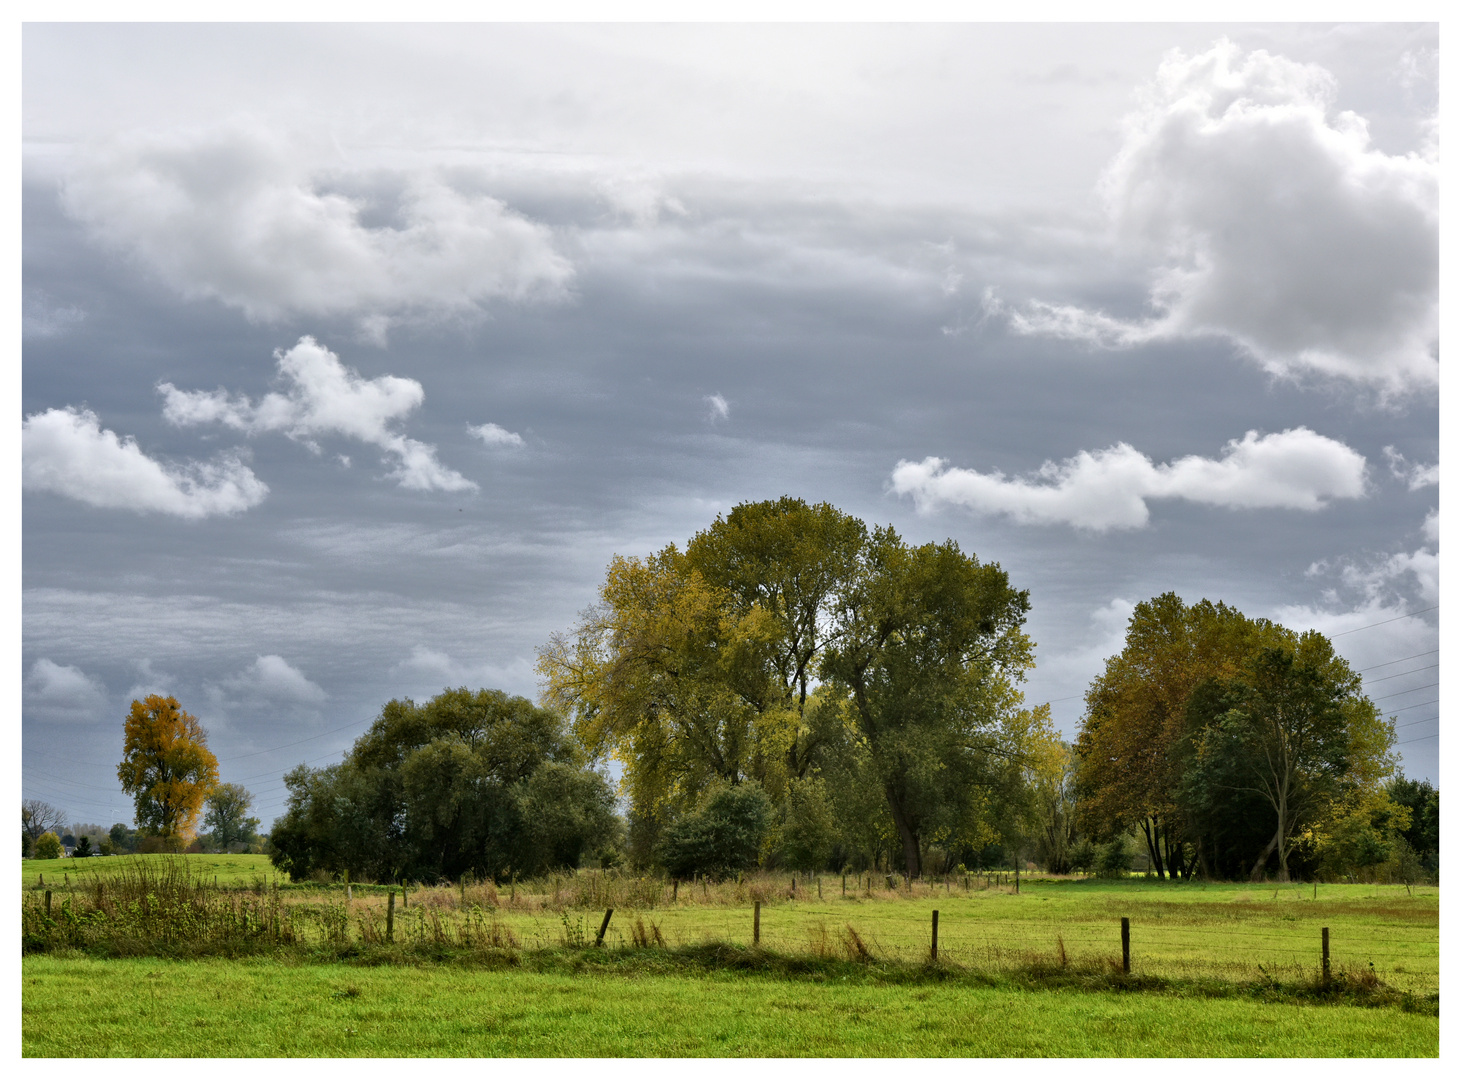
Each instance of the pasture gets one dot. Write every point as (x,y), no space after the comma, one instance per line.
(512,969)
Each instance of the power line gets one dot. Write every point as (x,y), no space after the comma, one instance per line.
(1412,723)
(1417,705)
(1382,622)
(321,735)
(1402,674)
(1422,738)
(1387,663)
(1402,693)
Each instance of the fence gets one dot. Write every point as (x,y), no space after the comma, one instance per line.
(979,926)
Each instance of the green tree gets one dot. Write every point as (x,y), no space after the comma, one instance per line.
(469,782)
(1423,834)
(48,846)
(1292,730)
(1133,742)
(700,665)
(720,838)
(226,816)
(166,766)
(929,653)
(82,849)
(810,832)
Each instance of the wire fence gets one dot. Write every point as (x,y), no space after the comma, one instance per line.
(981,923)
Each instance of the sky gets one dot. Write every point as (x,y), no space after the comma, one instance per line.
(352,354)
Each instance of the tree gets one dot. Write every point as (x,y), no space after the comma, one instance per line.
(82,849)
(1423,834)
(929,654)
(37,817)
(1293,730)
(166,766)
(226,817)
(1131,744)
(123,839)
(48,846)
(469,782)
(700,665)
(1052,773)
(721,838)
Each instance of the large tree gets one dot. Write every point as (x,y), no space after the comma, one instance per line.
(1291,729)
(468,782)
(37,817)
(1132,737)
(700,666)
(227,815)
(166,766)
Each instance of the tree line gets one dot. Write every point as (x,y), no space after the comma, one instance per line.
(795,689)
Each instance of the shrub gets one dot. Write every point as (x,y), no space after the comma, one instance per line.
(722,837)
(1083,856)
(48,846)
(1115,858)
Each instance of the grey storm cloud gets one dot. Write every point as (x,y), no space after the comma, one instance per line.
(346,382)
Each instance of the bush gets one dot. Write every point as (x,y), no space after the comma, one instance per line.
(1114,859)
(722,837)
(1083,856)
(48,846)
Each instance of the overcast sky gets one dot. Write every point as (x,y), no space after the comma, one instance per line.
(353,354)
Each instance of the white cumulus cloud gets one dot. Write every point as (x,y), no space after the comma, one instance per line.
(62,694)
(1109,489)
(274,678)
(68,452)
(324,397)
(493,435)
(1414,474)
(237,215)
(719,407)
(1270,219)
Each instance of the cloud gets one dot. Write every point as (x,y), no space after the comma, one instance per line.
(324,397)
(62,694)
(1272,222)
(431,670)
(236,215)
(493,435)
(68,452)
(719,407)
(273,678)
(1416,476)
(1109,489)
(1395,578)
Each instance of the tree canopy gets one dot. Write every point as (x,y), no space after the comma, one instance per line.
(166,766)
(788,643)
(469,782)
(1227,741)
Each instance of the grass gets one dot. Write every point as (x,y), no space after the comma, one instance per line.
(231,870)
(77,1007)
(1216,969)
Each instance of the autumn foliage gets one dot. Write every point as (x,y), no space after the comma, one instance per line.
(166,766)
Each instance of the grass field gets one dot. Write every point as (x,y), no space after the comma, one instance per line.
(1217,970)
(85,1007)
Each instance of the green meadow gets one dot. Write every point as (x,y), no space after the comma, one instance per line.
(512,969)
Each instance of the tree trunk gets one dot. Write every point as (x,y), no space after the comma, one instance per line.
(911,854)
(1151,845)
(1263,859)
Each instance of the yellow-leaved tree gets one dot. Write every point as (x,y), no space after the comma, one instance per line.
(166,766)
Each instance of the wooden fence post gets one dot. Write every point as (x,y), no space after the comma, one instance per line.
(844,884)
(756,925)
(933,953)
(1125,945)
(1325,938)
(676,897)
(603,928)
(48,906)
(819,886)
(1017,877)
(390,916)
